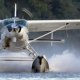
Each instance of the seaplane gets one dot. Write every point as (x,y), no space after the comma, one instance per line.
(16,52)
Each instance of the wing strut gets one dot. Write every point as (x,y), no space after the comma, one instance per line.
(48,33)
(51,38)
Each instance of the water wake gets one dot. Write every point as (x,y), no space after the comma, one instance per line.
(65,62)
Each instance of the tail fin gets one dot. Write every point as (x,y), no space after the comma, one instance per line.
(15,10)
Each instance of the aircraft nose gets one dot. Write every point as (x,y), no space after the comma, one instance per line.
(14,29)
(18,29)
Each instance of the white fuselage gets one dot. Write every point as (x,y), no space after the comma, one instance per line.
(17,39)
(15,58)
(15,61)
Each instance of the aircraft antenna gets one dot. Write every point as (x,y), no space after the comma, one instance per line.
(15,10)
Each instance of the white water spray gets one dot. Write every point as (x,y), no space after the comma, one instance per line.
(65,62)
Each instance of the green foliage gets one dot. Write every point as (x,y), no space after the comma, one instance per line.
(3,10)
(42,9)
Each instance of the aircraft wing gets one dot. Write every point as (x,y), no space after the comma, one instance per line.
(49,25)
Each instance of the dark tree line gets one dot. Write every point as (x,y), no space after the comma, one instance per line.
(41,9)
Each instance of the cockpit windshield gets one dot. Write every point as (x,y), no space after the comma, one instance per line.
(7,22)
(17,22)
(21,22)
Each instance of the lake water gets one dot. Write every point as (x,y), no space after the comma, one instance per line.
(40,76)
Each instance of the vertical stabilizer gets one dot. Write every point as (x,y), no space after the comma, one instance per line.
(15,10)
